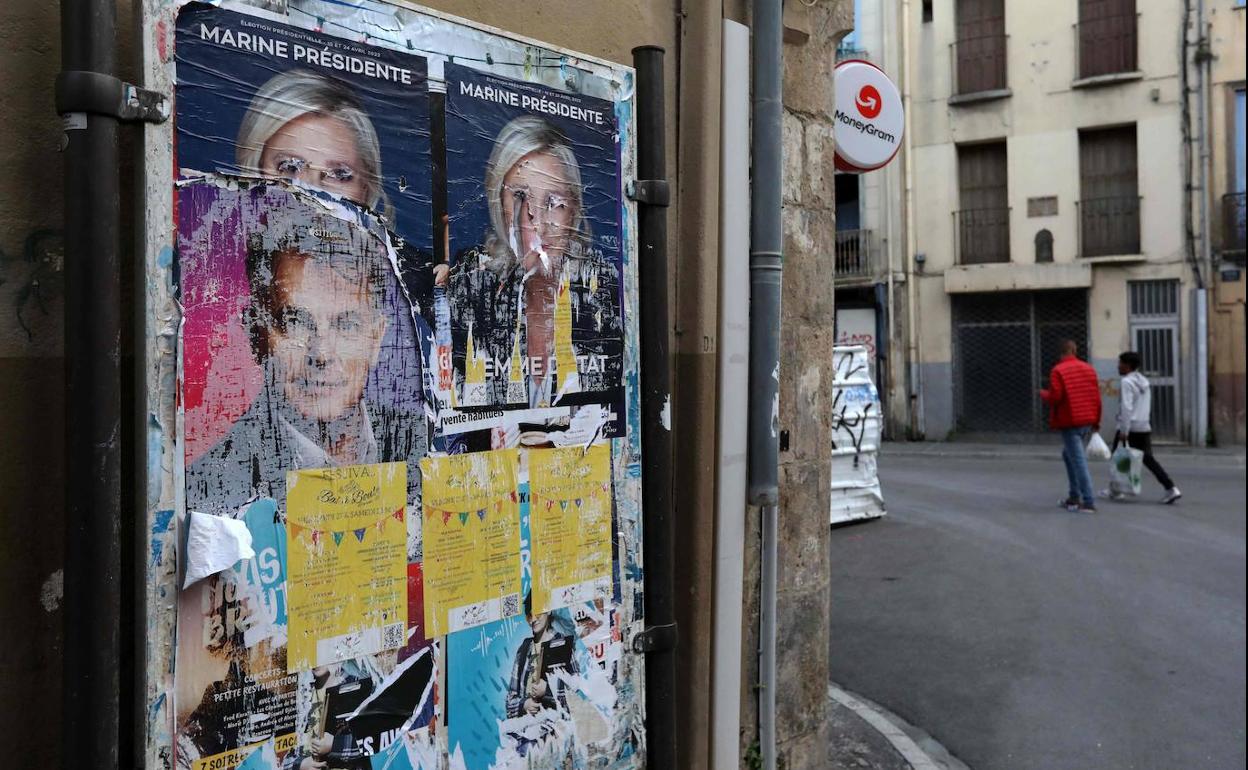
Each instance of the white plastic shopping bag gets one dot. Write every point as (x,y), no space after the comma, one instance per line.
(1097,448)
(1124,470)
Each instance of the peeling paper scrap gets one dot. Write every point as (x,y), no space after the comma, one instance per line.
(214,544)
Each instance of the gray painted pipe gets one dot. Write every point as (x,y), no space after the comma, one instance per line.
(766,259)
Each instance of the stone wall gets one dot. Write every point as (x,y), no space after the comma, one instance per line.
(806,341)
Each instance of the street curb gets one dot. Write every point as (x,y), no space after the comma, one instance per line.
(1229,458)
(890,726)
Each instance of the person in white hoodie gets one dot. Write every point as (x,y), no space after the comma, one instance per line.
(1134,430)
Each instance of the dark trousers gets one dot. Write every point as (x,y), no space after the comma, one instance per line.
(1144,443)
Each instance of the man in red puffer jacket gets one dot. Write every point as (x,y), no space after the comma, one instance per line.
(1074,399)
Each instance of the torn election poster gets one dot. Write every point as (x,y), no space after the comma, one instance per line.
(299,349)
(270,272)
(533,285)
(260,98)
(322,329)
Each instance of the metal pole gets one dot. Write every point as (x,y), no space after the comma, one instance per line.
(656,437)
(914,343)
(766,264)
(1200,402)
(1200,351)
(92,402)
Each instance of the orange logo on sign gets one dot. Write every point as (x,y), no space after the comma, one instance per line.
(869,102)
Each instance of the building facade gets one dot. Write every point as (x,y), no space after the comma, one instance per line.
(1054,189)
(1226,34)
(871,274)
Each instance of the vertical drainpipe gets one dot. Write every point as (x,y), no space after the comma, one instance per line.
(92,402)
(766,265)
(658,641)
(1200,310)
(914,343)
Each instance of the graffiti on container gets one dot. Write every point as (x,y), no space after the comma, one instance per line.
(846,367)
(850,420)
(858,338)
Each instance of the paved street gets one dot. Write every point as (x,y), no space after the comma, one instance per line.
(1022,636)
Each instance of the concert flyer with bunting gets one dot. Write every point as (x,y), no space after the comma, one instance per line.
(347,562)
(570,523)
(471,537)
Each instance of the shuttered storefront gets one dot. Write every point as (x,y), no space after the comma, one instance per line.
(1004,345)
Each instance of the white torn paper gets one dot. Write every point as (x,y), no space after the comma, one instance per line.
(213,544)
(584,427)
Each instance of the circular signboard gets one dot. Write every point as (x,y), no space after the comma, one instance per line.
(869,117)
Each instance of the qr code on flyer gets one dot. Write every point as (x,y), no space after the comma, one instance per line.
(392,636)
(511,605)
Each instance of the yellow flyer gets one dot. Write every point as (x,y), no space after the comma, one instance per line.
(471,540)
(570,525)
(346,562)
(228,760)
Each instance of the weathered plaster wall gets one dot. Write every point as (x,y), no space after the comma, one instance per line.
(1229,39)
(31,379)
(695,286)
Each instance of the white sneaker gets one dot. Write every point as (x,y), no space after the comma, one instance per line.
(1172,494)
(1111,494)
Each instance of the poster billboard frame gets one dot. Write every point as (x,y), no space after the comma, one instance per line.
(160,462)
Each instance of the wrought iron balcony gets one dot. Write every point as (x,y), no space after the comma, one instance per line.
(851,51)
(1107,45)
(983,235)
(855,254)
(1109,226)
(979,64)
(1233,226)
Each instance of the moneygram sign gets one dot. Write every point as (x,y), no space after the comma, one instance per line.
(869,117)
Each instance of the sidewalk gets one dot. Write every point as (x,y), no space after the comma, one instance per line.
(1048,447)
(865,736)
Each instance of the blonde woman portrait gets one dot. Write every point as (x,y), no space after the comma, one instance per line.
(312,129)
(354,123)
(533,292)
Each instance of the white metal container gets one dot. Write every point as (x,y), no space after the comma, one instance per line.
(855,437)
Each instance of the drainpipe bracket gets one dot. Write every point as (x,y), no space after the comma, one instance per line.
(655,639)
(652,192)
(101,94)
